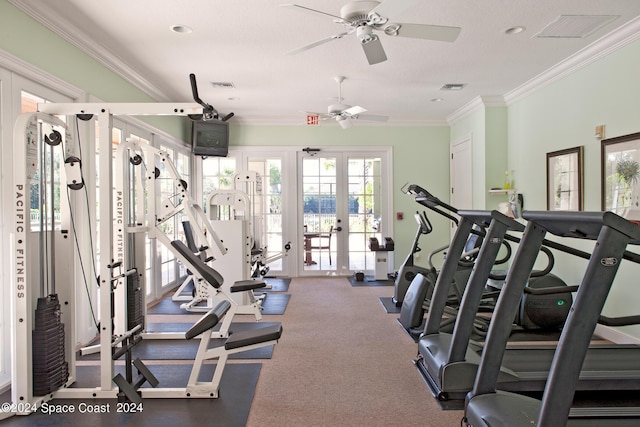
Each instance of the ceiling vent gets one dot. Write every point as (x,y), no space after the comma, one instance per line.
(453,86)
(575,26)
(228,85)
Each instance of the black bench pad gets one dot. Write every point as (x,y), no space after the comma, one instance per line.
(253,336)
(246,285)
(208,321)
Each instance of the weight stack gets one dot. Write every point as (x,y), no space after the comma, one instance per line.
(50,369)
(135,299)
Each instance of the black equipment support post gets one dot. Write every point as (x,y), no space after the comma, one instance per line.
(474,290)
(613,234)
(445,278)
(580,325)
(506,309)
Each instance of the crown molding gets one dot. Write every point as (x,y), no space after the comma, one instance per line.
(47,15)
(52,19)
(25,69)
(607,44)
(474,105)
(602,47)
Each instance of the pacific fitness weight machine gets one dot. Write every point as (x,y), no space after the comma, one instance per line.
(139,200)
(116,265)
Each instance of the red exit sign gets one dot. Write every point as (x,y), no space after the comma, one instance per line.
(312,120)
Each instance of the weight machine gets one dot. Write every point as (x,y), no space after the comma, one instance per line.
(117,267)
(144,164)
(238,215)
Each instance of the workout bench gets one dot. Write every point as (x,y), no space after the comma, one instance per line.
(204,272)
(236,343)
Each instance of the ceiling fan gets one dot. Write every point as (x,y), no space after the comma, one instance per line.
(365,17)
(344,114)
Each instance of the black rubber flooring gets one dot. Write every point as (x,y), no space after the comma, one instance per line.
(229,410)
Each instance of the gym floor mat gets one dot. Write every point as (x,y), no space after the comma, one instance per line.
(370,281)
(274,303)
(184,326)
(230,409)
(389,305)
(277,284)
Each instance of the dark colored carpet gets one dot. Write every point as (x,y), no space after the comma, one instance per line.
(389,305)
(274,303)
(370,281)
(175,349)
(230,409)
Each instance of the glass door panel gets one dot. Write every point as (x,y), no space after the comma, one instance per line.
(321,203)
(365,210)
(343,204)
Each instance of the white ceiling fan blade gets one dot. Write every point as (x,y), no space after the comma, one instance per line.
(429,32)
(352,111)
(318,43)
(373,117)
(309,10)
(374,52)
(345,123)
(391,8)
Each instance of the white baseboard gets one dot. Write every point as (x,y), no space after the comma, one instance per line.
(616,336)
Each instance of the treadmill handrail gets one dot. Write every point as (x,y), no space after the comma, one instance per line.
(429,203)
(583,224)
(619,321)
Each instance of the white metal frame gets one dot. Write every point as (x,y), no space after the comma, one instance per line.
(111,232)
(27,134)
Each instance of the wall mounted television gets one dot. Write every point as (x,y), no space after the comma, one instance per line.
(210,138)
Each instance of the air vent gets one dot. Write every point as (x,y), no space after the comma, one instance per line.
(453,86)
(228,85)
(575,26)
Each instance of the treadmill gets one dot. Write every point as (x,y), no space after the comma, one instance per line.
(487,406)
(449,362)
(470,232)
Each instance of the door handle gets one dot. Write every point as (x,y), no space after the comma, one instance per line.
(338,228)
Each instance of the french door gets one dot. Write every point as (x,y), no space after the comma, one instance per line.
(343,201)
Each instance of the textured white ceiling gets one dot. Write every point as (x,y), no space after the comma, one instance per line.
(245,42)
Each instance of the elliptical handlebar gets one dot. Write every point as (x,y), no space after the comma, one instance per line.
(430,201)
(423,222)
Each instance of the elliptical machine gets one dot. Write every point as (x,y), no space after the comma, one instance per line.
(408,270)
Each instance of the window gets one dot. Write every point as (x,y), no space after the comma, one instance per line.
(365,210)
(45,191)
(170,270)
(270,169)
(217,174)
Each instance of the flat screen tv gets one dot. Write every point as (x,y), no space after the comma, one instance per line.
(210,138)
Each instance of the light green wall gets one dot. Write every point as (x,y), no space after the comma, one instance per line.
(420,156)
(420,153)
(561,115)
(26,39)
(474,124)
(488,129)
(564,115)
